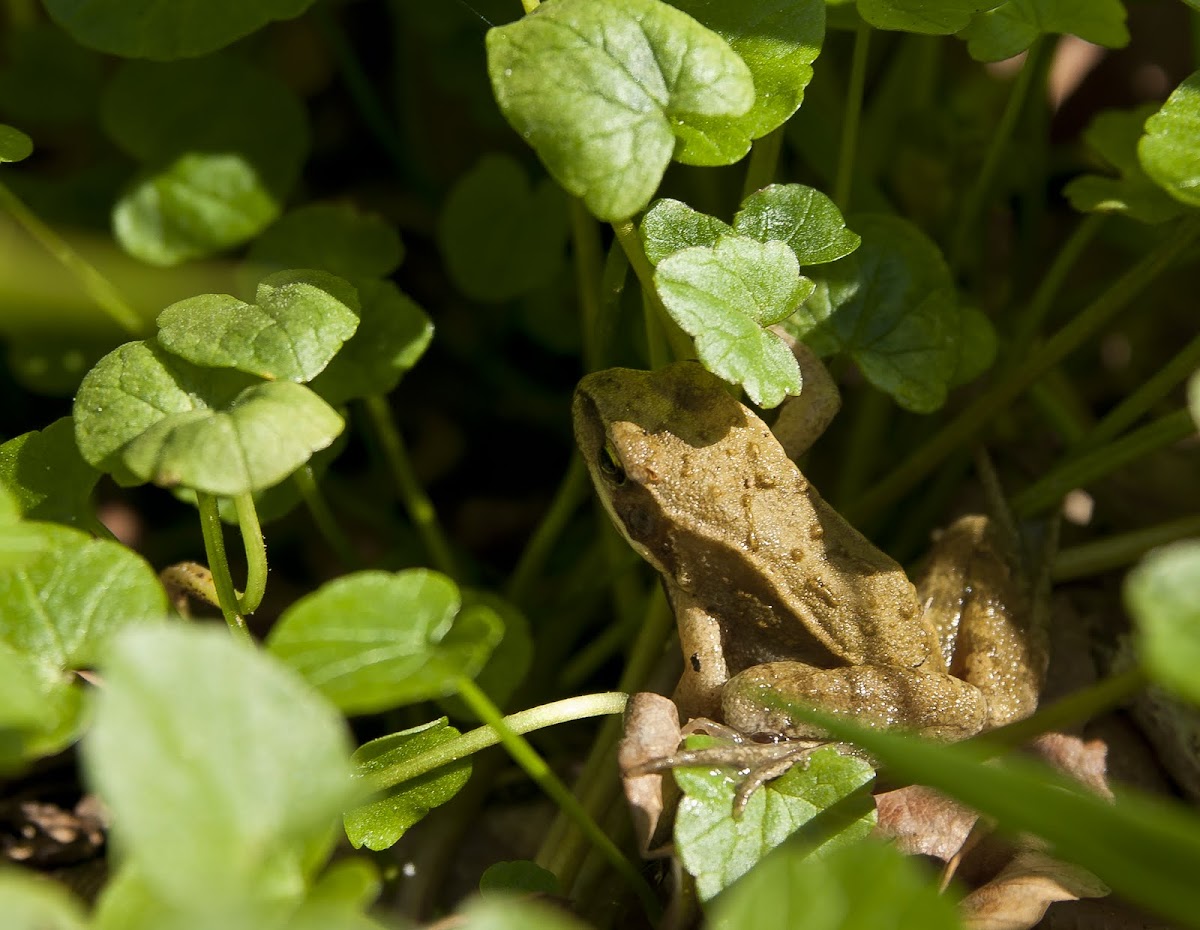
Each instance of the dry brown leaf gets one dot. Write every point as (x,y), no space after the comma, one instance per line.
(924,822)
(1017,898)
(651,732)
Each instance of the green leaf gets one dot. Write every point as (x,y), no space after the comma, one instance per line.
(863,886)
(1170,151)
(297,326)
(143,414)
(375,640)
(1162,595)
(380,822)
(891,307)
(501,236)
(222,144)
(724,296)
(48,79)
(1012,28)
(334,237)
(976,345)
(14,144)
(671,226)
(504,912)
(30,902)
(927,17)
(717,849)
(40,712)
(1113,136)
(393,333)
(258,764)
(520,877)
(48,476)
(601,92)
(778,40)
(165,29)
(808,221)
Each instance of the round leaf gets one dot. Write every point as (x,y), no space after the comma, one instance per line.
(375,640)
(258,764)
(1013,27)
(927,17)
(380,822)
(14,144)
(335,237)
(1163,596)
(502,237)
(808,221)
(724,297)
(297,326)
(144,415)
(600,91)
(165,29)
(48,476)
(671,226)
(1170,149)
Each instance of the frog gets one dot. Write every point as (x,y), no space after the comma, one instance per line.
(778,600)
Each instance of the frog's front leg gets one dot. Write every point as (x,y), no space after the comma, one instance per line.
(762,699)
(705,673)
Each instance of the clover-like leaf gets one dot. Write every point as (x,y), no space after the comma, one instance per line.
(1012,27)
(1163,596)
(48,476)
(927,17)
(600,92)
(500,235)
(221,145)
(1170,149)
(778,40)
(725,297)
(142,414)
(259,763)
(807,220)
(14,144)
(299,322)
(165,29)
(717,849)
(1113,135)
(857,886)
(891,306)
(375,640)
(380,822)
(334,237)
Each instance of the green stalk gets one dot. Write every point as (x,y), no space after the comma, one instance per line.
(542,775)
(98,287)
(256,554)
(326,523)
(980,412)
(416,502)
(214,549)
(1079,471)
(585,241)
(570,494)
(854,99)
(764,161)
(1116,551)
(973,203)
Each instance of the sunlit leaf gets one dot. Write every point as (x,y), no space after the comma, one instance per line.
(1170,149)
(1163,597)
(1012,27)
(31,902)
(14,144)
(48,476)
(928,17)
(803,217)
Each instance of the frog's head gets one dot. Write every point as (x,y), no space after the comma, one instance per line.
(641,434)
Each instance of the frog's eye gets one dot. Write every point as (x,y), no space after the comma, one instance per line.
(610,464)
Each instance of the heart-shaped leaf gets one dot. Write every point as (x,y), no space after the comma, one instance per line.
(299,322)
(142,414)
(1012,27)
(1170,149)
(375,640)
(600,91)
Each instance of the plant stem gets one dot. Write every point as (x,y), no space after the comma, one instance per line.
(327,525)
(214,550)
(854,98)
(1078,471)
(570,494)
(1115,551)
(585,241)
(631,243)
(973,203)
(980,412)
(764,160)
(98,287)
(256,554)
(416,501)
(537,769)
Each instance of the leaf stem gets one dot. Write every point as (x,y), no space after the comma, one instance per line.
(585,240)
(1001,136)
(570,494)
(416,502)
(981,411)
(537,769)
(256,554)
(1115,551)
(98,287)
(764,161)
(854,99)
(214,550)
(322,516)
